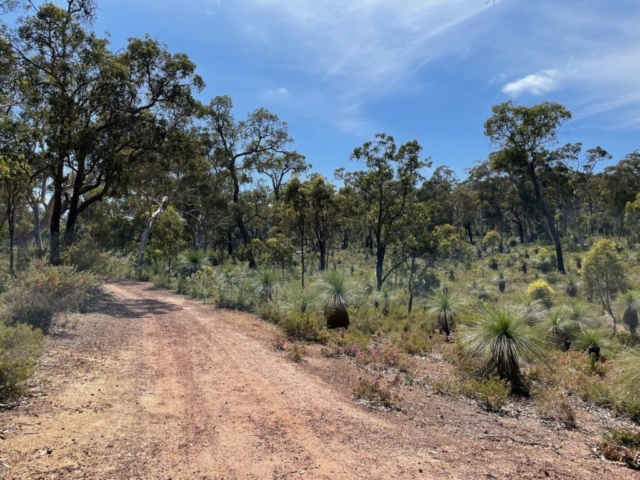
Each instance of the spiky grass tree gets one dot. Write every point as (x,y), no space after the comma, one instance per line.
(578,314)
(337,293)
(627,376)
(300,300)
(558,328)
(192,261)
(591,341)
(265,284)
(571,285)
(631,304)
(446,306)
(503,341)
(501,280)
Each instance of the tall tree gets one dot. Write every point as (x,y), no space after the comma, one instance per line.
(524,134)
(238,146)
(103,110)
(384,189)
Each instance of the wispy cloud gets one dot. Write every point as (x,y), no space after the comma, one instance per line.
(355,52)
(596,73)
(362,47)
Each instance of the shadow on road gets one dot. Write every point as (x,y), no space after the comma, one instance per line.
(107,304)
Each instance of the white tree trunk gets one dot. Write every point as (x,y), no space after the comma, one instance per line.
(144,239)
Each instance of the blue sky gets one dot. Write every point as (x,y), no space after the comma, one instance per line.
(338,71)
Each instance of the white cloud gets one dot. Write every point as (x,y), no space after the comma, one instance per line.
(556,53)
(280,92)
(535,84)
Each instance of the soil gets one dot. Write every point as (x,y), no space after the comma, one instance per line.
(151,385)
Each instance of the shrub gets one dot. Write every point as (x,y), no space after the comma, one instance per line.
(20,348)
(375,393)
(542,292)
(296,353)
(415,342)
(41,293)
(622,446)
(201,285)
(555,405)
(492,393)
(236,289)
(303,326)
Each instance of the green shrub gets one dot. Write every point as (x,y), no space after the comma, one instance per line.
(415,342)
(542,292)
(42,292)
(20,348)
(201,285)
(304,326)
(492,393)
(236,289)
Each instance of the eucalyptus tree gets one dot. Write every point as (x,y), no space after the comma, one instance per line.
(240,146)
(103,110)
(524,135)
(385,189)
(277,167)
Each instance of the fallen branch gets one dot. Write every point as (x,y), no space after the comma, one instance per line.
(512,439)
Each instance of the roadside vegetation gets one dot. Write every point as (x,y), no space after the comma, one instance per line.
(522,280)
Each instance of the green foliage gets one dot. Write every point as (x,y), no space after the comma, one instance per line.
(265,284)
(603,273)
(236,289)
(542,292)
(491,240)
(20,348)
(628,375)
(446,306)
(42,292)
(336,291)
(192,261)
(492,393)
(304,326)
(503,341)
(167,237)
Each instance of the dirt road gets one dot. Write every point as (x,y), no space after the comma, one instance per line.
(154,386)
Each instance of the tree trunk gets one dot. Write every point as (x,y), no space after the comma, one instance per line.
(467,226)
(35,207)
(56,214)
(380,253)
(549,217)
(12,230)
(322,248)
(144,239)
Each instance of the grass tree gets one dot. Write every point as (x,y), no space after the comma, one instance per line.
(446,306)
(265,284)
(631,304)
(337,293)
(627,374)
(503,341)
(591,341)
(603,275)
(192,261)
